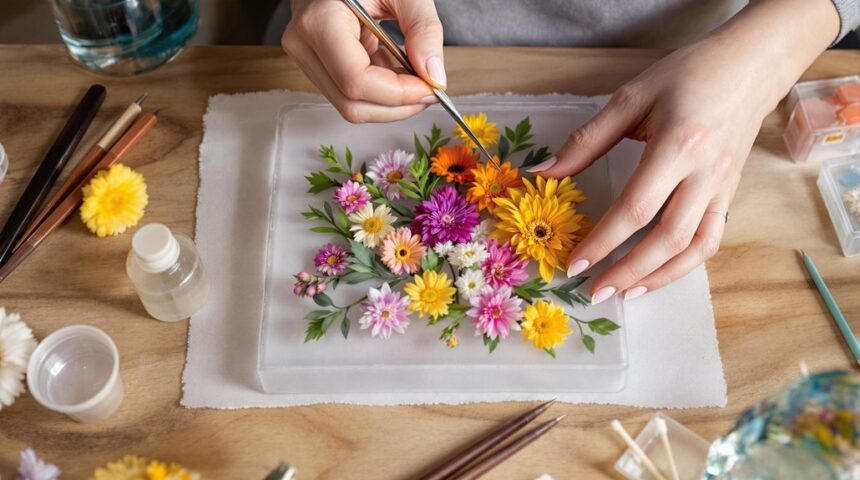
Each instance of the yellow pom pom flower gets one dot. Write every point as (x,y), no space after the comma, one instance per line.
(545,325)
(430,294)
(485,130)
(114,200)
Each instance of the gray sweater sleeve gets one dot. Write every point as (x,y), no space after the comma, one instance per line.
(849,16)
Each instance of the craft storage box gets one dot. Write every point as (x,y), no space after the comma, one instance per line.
(824,121)
(689,450)
(417,362)
(838,176)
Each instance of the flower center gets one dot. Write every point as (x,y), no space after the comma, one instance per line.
(429,296)
(402,253)
(394,176)
(372,225)
(472,285)
(542,324)
(385,314)
(499,272)
(447,218)
(352,198)
(456,169)
(540,231)
(331,260)
(495,189)
(496,312)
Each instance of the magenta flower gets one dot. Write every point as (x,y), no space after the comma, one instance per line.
(445,216)
(495,312)
(503,268)
(388,169)
(384,312)
(351,196)
(330,260)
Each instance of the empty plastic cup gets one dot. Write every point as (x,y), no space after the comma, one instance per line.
(75,371)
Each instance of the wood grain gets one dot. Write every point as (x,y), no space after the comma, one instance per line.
(768,316)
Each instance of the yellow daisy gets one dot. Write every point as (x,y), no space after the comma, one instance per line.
(430,294)
(491,183)
(541,222)
(129,467)
(486,131)
(545,325)
(114,200)
(371,225)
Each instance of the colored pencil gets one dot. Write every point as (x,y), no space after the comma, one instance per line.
(475,450)
(49,170)
(85,166)
(131,138)
(847,334)
(502,454)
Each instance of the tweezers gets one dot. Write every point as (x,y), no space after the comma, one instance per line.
(400,56)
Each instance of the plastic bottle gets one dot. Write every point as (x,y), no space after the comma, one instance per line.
(167,273)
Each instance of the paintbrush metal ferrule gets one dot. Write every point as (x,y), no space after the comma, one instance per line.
(141,99)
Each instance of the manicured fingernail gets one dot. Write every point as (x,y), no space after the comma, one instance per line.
(545,165)
(576,268)
(429,100)
(635,292)
(602,295)
(436,70)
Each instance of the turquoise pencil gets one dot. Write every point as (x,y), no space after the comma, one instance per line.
(847,334)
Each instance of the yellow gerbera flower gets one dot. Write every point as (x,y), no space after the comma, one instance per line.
(132,467)
(491,183)
(486,131)
(541,222)
(430,294)
(114,200)
(371,225)
(456,163)
(545,325)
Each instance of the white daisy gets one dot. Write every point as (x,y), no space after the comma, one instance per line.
(482,230)
(388,169)
(444,248)
(470,283)
(370,225)
(466,255)
(16,345)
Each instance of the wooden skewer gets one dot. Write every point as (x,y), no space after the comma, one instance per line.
(637,451)
(663,430)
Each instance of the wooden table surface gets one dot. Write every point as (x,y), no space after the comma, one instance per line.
(768,317)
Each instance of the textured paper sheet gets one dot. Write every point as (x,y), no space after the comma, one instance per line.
(672,347)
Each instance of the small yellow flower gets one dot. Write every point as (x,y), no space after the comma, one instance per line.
(545,325)
(452,341)
(132,467)
(486,131)
(430,294)
(114,200)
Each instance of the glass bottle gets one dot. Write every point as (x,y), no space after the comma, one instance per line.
(167,273)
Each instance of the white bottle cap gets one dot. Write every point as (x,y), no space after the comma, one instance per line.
(155,248)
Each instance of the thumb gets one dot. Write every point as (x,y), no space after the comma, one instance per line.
(422,32)
(591,141)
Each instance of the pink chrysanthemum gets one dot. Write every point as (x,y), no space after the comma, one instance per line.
(402,251)
(351,196)
(495,312)
(445,216)
(330,260)
(388,169)
(384,312)
(503,268)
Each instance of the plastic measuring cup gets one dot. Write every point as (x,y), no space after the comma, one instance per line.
(75,371)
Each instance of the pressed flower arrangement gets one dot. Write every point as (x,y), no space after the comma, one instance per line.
(440,236)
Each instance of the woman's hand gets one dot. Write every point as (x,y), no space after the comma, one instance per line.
(699,111)
(345,61)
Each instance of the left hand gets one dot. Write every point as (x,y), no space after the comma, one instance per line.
(699,111)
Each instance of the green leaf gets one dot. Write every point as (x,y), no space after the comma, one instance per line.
(312,216)
(325,230)
(357,267)
(323,300)
(314,330)
(342,219)
(603,326)
(320,182)
(360,253)
(491,343)
(504,149)
(571,284)
(328,211)
(535,157)
(317,314)
(349,159)
(588,341)
(419,149)
(344,324)
(353,278)
(550,351)
(430,260)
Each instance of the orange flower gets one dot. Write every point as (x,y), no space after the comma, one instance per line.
(491,183)
(455,163)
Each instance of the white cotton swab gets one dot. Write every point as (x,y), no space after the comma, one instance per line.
(637,452)
(663,429)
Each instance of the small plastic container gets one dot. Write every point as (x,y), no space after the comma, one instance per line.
(75,371)
(4,163)
(167,273)
(689,450)
(839,183)
(825,119)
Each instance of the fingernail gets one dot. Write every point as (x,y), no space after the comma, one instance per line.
(436,70)
(576,268)
(545,165)
(429,100)
(635,292)
(602,295)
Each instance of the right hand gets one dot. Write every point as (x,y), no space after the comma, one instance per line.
(346,63)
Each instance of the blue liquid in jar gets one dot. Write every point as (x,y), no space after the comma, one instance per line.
(125,37)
